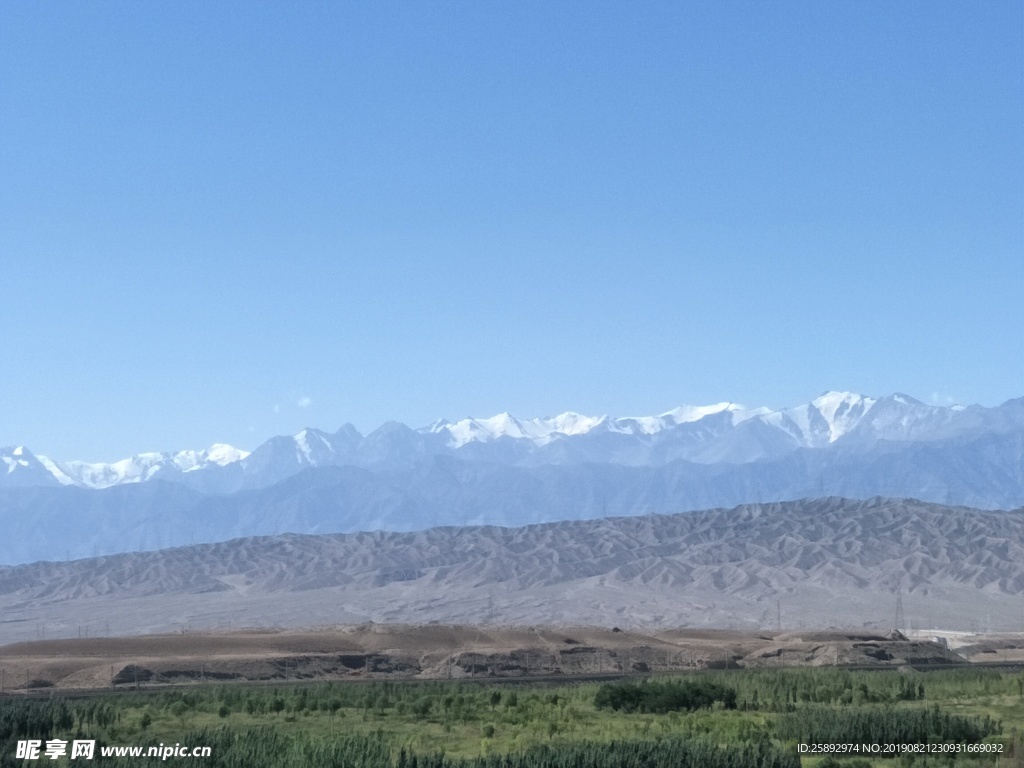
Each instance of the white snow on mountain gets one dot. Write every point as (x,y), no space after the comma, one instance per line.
(302,441)
(222,454)
(141,467)
(824,420)
(14,460)
(312,446)
(540,430)
(686,414)
(568,423)
(543,430)
(102,475)
(720,432)
(842,411)
(54,469)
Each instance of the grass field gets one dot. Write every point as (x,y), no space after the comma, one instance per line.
(473,719)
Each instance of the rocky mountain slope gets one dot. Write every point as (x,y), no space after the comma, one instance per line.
(817,563)
(506,471)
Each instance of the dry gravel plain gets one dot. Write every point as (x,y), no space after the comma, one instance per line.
(402,652)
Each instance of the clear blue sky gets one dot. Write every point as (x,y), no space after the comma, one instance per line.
(225,221)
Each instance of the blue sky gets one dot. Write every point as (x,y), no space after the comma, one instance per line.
(224,221)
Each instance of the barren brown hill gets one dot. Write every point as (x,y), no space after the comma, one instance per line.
(371,651)
(827,562)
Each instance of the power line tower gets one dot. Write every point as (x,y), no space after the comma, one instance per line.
(901,621)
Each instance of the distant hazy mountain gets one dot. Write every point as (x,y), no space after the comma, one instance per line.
(507,471)
(818,562)
(722,433)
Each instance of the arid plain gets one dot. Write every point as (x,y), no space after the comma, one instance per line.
(402,652)
(821,582)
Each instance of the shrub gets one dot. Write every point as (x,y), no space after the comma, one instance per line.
(658,698)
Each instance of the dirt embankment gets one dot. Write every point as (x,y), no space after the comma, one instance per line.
(434,652)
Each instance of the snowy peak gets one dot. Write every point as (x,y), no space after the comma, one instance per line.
(141,467)
(685,414)
(222,454)
(827,419)
(13,458)
(723,432)
(219,454)
(20,467)
(841,411)
(571,423)
(540,430)
(824,420)
(311,445)
(57,471)
(688,414)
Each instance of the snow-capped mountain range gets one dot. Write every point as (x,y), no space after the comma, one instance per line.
(513,472)
(720,433)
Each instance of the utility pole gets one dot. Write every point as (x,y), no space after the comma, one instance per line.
(901,621)
(778,615)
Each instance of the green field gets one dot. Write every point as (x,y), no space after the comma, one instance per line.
(735,719)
